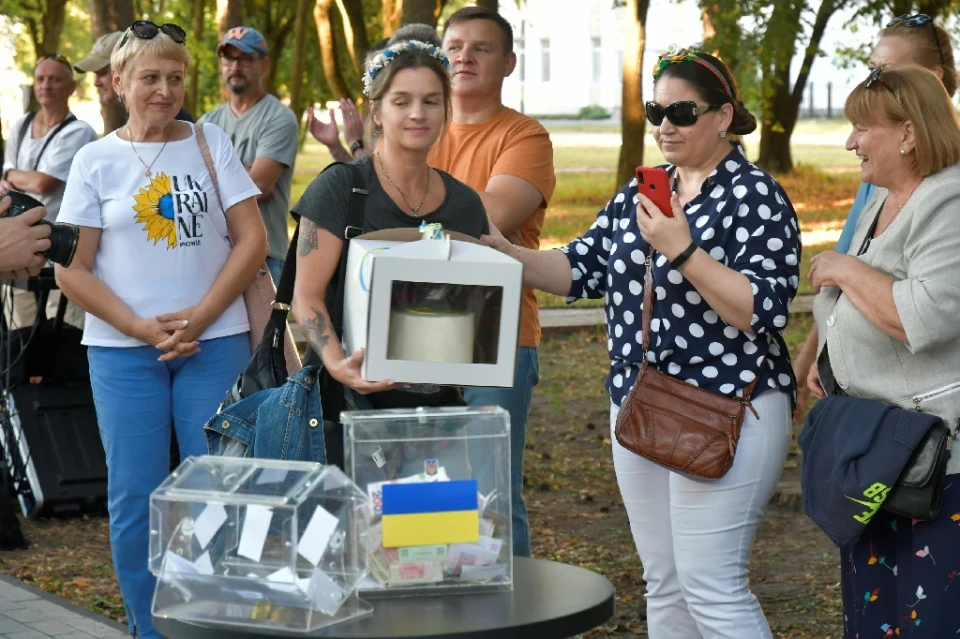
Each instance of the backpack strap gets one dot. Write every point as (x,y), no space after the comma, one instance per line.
(354,227)
(63,124)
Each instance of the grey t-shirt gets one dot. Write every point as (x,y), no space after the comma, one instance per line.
(268,130)
(326,202)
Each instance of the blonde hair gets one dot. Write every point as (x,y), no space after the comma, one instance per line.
(161,46)
(931,47)
(914,94)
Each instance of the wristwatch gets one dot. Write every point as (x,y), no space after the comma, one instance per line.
(356,146)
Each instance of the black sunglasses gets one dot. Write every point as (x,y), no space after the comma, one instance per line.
(57,57)
(146,30)
(683,113)
(919,20)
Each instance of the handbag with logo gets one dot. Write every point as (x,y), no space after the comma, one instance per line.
(678,425)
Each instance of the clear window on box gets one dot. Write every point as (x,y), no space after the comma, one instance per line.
(444,323)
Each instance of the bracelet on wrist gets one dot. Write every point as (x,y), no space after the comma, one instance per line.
(356,146)
(678,261)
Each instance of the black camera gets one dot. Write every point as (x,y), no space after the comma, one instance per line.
(63,237)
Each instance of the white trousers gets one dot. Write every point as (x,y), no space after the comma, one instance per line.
(694,536)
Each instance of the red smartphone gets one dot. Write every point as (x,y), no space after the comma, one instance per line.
(655,184)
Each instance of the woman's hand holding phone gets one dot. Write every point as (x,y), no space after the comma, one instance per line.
(661,219)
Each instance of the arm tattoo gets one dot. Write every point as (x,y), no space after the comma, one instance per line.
(315,329)
(307,243)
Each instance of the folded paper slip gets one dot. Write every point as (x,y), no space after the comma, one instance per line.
(425,514)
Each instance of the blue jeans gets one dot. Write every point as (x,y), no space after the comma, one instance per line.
(516,401)
(138,399)
(275,267)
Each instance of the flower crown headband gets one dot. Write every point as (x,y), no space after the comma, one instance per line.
(385,57)
(671,56)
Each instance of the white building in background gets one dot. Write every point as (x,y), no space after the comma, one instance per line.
(570,54)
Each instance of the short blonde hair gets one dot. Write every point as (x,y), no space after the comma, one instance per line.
(161,46)
(911,93)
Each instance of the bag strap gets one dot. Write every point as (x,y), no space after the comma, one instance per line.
(354,227)
(63,124)
(648,318)
(22,133)
(212,170)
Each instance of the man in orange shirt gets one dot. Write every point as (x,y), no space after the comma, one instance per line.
(507,158)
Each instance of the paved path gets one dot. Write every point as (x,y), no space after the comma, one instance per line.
(28,613)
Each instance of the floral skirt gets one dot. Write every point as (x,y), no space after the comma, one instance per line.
(898,580)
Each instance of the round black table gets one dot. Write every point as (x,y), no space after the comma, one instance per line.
(549,601)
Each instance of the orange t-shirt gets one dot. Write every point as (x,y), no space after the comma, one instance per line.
(510,143)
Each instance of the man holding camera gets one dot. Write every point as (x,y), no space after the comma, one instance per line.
(22,241)
(37,161)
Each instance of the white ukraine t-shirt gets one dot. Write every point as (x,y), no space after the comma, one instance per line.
(164,238)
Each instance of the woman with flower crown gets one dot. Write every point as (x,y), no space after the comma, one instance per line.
(408,108)
(724,264)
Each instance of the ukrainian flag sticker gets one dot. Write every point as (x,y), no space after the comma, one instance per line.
(430,513)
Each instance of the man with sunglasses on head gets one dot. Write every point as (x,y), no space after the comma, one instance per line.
(264,132)
(98,63)
(37,161)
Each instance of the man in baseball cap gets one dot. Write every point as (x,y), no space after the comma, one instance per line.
(98,63)
(264,131)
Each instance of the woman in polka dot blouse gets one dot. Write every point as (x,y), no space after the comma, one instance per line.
(726,267)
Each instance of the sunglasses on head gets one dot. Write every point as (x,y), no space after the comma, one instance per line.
(146,30)
(56,57)
(685,113)
(919,20)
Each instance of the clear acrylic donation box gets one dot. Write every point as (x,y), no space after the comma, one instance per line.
(438,487)
(258,543)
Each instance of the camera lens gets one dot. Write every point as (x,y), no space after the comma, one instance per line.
(63,243)
(63,237)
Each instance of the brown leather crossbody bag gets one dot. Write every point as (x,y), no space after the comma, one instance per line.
(678,425)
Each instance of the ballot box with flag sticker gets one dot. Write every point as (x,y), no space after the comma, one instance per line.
(438,488)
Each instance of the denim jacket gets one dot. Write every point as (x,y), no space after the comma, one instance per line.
(278,423)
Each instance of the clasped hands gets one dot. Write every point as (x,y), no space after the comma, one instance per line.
(176,334)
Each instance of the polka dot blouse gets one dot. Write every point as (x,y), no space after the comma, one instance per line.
(743,219)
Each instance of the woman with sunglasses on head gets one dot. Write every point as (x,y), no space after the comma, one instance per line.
(725,267)
(166,328)
(908,39)
(887,314)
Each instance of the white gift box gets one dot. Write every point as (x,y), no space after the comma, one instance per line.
(432,311)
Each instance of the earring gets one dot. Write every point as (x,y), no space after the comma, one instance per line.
(902,151)
(723,134)
(120,99)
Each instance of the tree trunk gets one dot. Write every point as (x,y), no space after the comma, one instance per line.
(781,104)
(193,84)
(52,27)
(421,11)
(492,5)
(328,49)
(391,14)
(354,30)
(633,118)
(229,15)
(276,41)
(299,52)
(107,16)
(722,34)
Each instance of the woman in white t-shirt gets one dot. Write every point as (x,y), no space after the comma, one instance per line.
(166,328)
